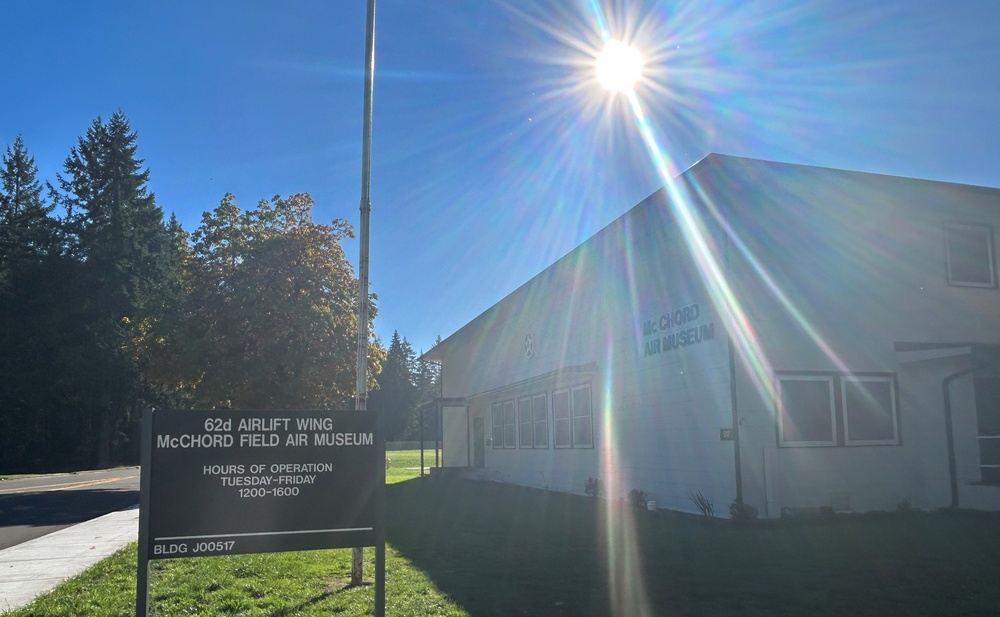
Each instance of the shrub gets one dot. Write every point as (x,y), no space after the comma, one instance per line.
(742,512)
(593,487)
(703,504)
(638,499)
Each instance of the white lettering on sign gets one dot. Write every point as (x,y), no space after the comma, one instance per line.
(343,439)
(194,441)
(301,467)
(263,424)
(283,474)
(246,480)
(256,432)
(259,440)
(218,470)
(314,424)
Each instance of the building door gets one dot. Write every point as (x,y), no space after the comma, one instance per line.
(478,442)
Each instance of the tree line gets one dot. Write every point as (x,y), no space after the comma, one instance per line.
(106,307)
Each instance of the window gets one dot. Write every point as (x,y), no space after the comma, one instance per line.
(573,417)
(561,419)
(806,410)
(539,405)
(508,424)
(837,410)
(497,425)
(527,422)
(869,410)
(503,425)
(533,421)
(970,255)
(583,418)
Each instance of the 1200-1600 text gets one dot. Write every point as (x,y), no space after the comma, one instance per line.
(279,491)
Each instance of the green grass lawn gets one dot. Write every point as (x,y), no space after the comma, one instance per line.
(406,464)
(484,549)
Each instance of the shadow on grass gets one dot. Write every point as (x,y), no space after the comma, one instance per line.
(501,550)
(505,550)
(290,611)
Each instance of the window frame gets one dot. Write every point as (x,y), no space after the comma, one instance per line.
(528,418)
(557,421)
(839,409)
(499,409)
(544,419)
(894,411)
(525,439)
(510,405)
(990,249)
(782,414)
(574,416)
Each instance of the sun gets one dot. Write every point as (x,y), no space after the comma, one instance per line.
(619,67)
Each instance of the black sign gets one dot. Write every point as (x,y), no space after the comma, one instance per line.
(234,482)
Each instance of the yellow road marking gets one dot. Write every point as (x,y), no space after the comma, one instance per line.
(63,486)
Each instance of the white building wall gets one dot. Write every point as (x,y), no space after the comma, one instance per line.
(830,270)
(657,412)
(860,261)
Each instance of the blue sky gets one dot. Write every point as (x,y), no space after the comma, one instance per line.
(495,152)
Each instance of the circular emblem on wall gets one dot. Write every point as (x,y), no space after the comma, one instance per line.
(529,345)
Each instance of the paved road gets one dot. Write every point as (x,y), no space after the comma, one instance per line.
(33,507)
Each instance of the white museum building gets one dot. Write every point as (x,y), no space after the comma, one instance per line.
(785,336)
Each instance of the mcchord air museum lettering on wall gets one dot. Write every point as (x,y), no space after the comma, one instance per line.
(676,329)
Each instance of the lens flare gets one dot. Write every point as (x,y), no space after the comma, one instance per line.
(692,65)
(619,67)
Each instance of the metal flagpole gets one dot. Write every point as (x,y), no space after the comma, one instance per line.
(361,390)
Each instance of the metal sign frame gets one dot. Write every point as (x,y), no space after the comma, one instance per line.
(225,482)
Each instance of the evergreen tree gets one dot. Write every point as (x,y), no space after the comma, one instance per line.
(26,231)
(397,391)
(429,388)
(37,323)
(115,231)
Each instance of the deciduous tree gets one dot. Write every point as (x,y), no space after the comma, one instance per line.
(271,319)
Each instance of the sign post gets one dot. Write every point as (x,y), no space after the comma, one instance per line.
(227,482)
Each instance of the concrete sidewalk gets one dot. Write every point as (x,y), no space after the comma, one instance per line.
(30,569)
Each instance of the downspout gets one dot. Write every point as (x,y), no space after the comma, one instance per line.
(949,432)
(732,395)
(736,423)
(440,418)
